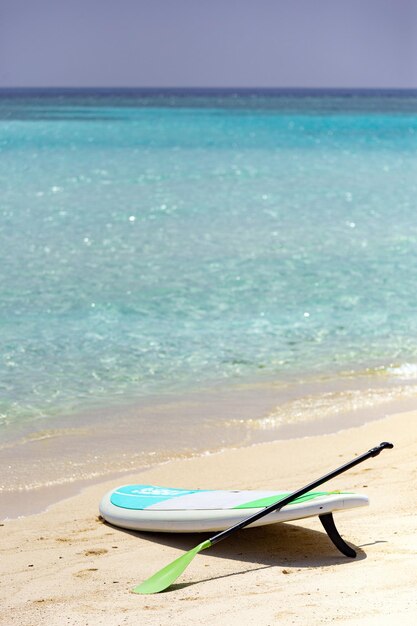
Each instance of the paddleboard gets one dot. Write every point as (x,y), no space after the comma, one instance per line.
(166,509)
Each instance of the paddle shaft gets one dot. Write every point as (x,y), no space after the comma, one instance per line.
(300,492)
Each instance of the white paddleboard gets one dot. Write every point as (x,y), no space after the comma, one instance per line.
(164,509)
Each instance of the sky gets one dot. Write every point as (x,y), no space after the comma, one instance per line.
(208,43)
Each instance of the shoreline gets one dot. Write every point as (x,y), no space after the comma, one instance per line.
(55,463)
(65,561)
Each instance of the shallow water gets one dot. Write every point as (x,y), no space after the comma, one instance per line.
(158,242)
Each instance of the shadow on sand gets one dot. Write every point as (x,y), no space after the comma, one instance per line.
(278,545)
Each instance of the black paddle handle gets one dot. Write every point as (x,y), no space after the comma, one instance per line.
(300,492)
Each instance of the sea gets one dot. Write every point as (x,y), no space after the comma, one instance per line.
(178,264)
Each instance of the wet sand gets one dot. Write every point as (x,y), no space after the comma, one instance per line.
(56,458)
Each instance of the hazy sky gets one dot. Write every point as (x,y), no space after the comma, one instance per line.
(224,43)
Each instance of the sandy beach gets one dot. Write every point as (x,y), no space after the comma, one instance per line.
(65,566)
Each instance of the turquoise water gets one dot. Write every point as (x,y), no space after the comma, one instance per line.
(155,242)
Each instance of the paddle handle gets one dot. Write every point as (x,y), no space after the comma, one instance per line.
(300,492)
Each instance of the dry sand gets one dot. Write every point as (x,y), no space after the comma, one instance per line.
(65,567)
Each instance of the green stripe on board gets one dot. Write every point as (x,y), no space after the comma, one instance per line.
(261,502)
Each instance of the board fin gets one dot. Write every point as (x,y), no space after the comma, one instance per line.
(330,528)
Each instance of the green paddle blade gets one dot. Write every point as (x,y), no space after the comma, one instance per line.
(166,576)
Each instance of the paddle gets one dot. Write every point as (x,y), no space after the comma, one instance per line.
(166,576)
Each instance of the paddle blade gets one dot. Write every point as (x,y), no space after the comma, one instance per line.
(168,574)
